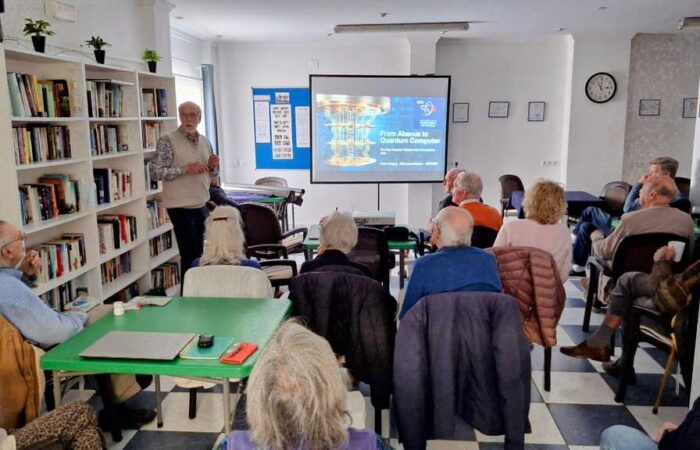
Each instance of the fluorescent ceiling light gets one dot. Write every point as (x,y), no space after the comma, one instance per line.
(689,22)
(399,27)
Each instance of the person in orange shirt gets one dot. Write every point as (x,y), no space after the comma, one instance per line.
(466,193)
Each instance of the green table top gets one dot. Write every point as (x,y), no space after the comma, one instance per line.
(313,244)
(616,222)
(271,200)
(246,320)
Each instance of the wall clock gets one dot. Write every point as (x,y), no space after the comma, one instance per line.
(601,87)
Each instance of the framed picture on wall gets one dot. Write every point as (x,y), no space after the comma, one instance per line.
(460,112)
(498,110)
(649,107)
(690,108)
(535,112)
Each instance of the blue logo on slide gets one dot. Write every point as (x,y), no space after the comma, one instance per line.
(427,107)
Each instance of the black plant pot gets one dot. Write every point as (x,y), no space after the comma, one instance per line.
(39,43)
(100,56)
(152,66)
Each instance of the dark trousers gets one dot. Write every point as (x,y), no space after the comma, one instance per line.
(188,224)
(591,219)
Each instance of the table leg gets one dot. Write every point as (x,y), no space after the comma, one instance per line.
(227,406)
(56,389)
(159,410)
(402,268)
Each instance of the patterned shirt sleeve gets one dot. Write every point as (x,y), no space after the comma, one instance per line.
(162,165)
(215,172)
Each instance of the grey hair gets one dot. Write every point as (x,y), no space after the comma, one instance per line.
(338,232)
(456,226)
(223,238)
(296,393)
(470,182)
(192,104)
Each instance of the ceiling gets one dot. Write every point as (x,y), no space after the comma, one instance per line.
(292,21)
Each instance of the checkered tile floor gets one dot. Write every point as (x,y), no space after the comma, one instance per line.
(571,416)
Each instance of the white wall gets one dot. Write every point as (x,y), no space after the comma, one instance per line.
(242,67)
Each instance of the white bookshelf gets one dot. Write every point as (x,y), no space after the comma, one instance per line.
(81,164)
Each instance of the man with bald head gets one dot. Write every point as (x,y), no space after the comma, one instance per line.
(185,163)
(455,266)
(449,182)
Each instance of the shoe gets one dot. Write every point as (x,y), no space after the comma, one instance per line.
(614,369)
(582,350)
(127,419)
(584,283)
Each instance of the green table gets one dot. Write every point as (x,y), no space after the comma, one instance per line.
(247,320)
(311,245)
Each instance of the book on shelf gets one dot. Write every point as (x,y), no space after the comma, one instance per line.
(61,256)
(58,297)
(112,184)
(166,275)
(115,231)
(157,214)
(31,97)
(40,143)
(124,295)
(151,134)
(105,97)
(53,195)
(154,102)
(108,139)
(161,243)
(115,268)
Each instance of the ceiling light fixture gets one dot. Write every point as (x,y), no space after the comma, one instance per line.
(560,29)
(689,22)
(383,14)
(401,27)
(600,8)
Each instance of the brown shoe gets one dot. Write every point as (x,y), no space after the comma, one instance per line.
(614,368)
(582,350)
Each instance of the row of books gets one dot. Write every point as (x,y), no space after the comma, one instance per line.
(115,231)
(157,214)
(112,184)
(160,244)
(108,139)
(61,256)
(150,183)
(54,194)
(41,143)
(114,268)
(105,97)
(154,102)
(124,295)
(151,134)
(31,97)
(58,297)
(166,275)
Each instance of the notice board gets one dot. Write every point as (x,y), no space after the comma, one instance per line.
(282,128)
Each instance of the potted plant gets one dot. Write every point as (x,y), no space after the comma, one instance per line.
(97,43)
(151,57)
(38,30)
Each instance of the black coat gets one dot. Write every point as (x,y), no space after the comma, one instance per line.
(357,316)
(462,354)
(333,258)
(687,435)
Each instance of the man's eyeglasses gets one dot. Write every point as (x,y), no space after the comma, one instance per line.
(21,237)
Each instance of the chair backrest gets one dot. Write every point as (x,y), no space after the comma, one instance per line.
(483,237)
(273,182)
(615,193)
(683,185)
(683,204)
(636,253)
(510,183)
(226,281)
(260,224)
(372,250)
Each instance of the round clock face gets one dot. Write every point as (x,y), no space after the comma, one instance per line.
(600,87)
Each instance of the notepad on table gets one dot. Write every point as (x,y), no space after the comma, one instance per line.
(192,351)
(147,300)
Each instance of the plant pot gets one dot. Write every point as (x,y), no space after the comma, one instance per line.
(152,66)
(39,43)
(100,56)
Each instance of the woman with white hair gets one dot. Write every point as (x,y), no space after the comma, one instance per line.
(224,240)
(338,238)
(296,398)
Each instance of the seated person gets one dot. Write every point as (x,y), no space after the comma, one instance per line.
(449,183)
(663,165)
(224,240)
(73,425)
(217,195)
(670,436)
(338,237)
(467,192)
(661,291)
(456,266)
(544,205)
(34,319)
(296,398)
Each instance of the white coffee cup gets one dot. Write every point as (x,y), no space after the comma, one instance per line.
(118,308)
(678,246)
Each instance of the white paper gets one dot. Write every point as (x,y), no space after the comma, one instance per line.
(262,122)
(282,97)
(281,132)
(303,130)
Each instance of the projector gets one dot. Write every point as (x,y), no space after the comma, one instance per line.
(374,218)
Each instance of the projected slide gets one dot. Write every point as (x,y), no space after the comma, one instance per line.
(378,138)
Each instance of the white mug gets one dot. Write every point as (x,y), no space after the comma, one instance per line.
(678,246)
(118,308)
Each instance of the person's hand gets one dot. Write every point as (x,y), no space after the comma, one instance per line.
(666,252)
(213,162)
(196,169)
(643,178)
(31,264)
(667,426)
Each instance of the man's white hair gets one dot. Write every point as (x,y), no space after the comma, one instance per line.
(471,183)
(223,238)
(456,226)
(190,104)
(338,232)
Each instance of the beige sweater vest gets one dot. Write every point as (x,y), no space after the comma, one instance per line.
(187,191)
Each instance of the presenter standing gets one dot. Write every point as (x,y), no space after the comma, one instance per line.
(185,163)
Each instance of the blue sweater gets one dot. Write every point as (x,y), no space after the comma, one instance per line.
(36,321)
(451,269)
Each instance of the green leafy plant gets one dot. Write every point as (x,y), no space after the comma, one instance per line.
(150,55)
(37,28)
(97,43)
